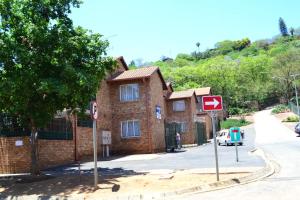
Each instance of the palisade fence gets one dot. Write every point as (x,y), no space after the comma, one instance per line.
(85,121)
(293,108)
(56,129)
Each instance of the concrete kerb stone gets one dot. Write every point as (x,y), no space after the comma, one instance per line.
(267,171)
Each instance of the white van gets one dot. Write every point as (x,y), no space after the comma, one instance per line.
(223,138)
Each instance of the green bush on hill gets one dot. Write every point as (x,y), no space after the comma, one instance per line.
(280,109)
(291,119)
(234,123)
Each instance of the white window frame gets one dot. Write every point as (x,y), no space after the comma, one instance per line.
(175,108)
(135,135)
(129,97)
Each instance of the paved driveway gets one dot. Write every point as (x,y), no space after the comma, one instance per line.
(190,158)
(283,146)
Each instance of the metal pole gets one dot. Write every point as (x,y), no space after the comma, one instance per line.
(213,114)
(296,93)
(236,152)
(95,155)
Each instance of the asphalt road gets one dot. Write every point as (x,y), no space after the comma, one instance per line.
(190,158)
(283,146)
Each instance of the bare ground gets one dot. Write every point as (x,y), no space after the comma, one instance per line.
(110,185)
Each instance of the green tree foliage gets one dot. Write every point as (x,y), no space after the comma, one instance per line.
(283,28)
(285,65)
(240,71)
(47,64)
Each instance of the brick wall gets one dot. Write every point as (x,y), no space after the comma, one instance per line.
(157,125)
(183,116)
(14,159)
(55,152)
(122,111)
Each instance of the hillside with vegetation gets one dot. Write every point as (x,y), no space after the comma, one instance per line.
(249,75)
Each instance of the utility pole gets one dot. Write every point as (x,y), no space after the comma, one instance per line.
(296,93)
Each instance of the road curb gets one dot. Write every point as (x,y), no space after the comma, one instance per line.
(268,170)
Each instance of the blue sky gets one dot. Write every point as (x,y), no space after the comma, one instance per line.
(148,29)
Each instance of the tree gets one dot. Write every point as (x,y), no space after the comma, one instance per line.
(198,45)
(284,66)
(283,27)
(47,64)
(292,31)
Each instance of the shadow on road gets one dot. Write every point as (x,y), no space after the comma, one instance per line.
(45,186)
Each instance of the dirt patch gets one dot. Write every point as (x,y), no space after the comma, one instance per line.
(113,185)
(282,116)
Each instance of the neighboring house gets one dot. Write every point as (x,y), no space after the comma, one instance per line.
(181,109)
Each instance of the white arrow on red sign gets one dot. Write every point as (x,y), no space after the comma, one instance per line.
(214,103)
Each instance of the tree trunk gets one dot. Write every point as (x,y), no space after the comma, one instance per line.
(34,163)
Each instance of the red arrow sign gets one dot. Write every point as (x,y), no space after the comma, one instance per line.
(210,103)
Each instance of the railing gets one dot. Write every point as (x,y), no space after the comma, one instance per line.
(56,129)
(293,108)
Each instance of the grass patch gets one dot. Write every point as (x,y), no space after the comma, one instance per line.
(280,109)
(291,119)
(234,123)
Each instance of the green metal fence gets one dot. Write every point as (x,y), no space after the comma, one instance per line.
(11,126)
(293,108)
(56,129)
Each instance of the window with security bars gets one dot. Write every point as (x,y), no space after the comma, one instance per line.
(130,128)
(129,92)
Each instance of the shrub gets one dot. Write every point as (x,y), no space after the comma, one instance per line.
(234,123)
(291,119)
(280,109)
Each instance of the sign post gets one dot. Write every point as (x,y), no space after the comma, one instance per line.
(212,104)
(235,136)
(94,116)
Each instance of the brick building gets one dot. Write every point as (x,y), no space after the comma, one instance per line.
(181,109)
(133,105)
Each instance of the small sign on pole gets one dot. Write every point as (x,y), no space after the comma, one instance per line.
(213,104)
(235,136)
(94,116)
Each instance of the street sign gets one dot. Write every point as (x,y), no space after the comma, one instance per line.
(94,110)
(235,134)
(211,103)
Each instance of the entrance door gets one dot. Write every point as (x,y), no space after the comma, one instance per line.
(201,133)
(170,135)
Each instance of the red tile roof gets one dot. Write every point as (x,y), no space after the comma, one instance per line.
(181,94)
(202,91)
(138,73)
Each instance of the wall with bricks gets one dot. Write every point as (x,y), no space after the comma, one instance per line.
(135,110)
(157,125)
(85,147)
(14,159)
(186,116)
(55,152)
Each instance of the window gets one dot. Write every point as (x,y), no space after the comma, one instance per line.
(129,92)
(130,128)
(179,105)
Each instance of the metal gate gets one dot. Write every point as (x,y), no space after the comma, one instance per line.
(170,135)
(200,133)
